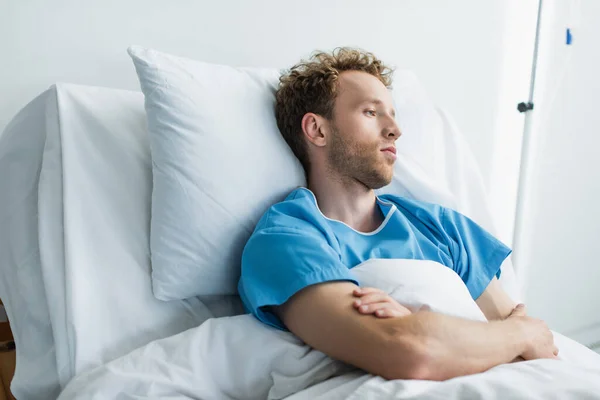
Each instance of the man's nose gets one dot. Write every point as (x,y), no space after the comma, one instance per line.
(393,131)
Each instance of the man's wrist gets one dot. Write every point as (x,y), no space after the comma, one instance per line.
(518,335)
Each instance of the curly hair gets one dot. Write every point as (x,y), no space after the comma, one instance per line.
(312,86)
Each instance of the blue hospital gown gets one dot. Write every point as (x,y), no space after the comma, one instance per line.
(294,246)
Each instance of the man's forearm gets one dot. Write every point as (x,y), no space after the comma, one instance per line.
(450,346)
(423,345)
(494,302)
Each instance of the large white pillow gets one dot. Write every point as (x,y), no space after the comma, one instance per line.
(219,162)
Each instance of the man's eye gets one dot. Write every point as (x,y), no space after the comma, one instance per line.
(371,112)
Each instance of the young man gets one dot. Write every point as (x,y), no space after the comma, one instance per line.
(336,113)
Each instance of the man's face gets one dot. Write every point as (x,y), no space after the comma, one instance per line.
(363,126)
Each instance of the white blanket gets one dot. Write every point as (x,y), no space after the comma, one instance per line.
(240,358)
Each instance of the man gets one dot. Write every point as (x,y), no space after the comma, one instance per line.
(336,113)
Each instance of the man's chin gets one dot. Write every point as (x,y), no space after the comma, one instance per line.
(378,184)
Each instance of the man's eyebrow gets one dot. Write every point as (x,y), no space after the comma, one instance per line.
(377,101)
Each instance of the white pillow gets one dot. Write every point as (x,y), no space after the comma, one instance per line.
(219,162)
(420,284)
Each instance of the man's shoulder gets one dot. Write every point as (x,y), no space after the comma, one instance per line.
(297,211)
(410,204)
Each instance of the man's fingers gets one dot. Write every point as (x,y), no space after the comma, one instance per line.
(387,313)
(371,308)
(519,310)
(372,298)
(377,302)
(384,310)
(366,290)
(391,313)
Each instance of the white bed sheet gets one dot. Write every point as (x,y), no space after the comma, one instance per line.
(75,183)
(575,377)
(94,229)
(531,380)
(21,284)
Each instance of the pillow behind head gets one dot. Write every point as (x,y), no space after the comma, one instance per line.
(219,162)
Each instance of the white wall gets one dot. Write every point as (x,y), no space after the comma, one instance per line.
(462,50)
(558,245)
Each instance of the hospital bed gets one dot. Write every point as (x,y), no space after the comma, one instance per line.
(76,276)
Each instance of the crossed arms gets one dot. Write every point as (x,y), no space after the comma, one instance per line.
(421,345)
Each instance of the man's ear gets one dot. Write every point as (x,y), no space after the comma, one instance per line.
(315,129)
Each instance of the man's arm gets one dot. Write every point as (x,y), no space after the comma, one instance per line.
(494,302)
(423,345)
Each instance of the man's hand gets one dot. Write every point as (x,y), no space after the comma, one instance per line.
(540,343)
(377,302)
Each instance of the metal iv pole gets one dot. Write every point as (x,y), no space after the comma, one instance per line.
(523,170)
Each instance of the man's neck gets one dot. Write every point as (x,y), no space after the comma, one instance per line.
(348,201)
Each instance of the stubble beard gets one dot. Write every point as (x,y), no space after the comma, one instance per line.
(354,161)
